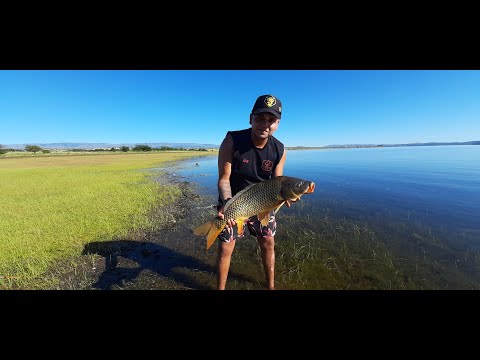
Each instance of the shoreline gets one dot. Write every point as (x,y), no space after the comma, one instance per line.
(144,260)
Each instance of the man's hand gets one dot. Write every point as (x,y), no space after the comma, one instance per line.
(230,222)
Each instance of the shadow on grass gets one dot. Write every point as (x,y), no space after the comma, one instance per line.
(154,257)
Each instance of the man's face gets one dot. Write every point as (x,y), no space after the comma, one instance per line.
(264,124)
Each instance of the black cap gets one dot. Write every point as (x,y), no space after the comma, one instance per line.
(268,103)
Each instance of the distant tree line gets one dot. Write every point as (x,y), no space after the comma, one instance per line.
(28,148)
(4,149)
(33,148)
(140,147)
(126,148)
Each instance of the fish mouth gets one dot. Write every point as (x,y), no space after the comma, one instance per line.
(311,188)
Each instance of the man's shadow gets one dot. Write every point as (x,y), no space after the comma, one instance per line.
(147,255)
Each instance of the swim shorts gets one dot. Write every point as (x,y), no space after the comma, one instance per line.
(254,226)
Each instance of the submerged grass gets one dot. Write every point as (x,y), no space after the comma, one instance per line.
(333,253)
(51,206)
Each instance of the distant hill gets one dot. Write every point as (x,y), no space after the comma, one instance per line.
(439,143)
(382,145)
(65,146)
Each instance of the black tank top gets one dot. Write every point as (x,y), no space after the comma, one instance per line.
(251,164)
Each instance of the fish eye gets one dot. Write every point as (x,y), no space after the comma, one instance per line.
(300,183)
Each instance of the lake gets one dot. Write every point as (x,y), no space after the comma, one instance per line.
(401,217)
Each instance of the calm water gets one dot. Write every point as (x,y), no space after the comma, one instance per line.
(425,192)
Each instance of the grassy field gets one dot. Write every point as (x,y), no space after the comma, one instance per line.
(50,206)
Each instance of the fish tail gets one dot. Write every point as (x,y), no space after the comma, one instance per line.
(203,229)
(209,230)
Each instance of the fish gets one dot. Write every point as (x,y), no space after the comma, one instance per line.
(256,199)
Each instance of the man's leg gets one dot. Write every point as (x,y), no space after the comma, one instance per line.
(267,247)
(224,255)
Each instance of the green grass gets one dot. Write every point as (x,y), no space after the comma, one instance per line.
(51,206)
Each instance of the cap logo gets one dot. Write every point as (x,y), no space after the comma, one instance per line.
(270,101)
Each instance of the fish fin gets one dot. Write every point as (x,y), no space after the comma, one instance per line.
(209,230)
(240,222)
(212,235)
(278,207)
(264,217)
(203,229)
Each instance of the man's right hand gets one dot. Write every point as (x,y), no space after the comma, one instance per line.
(230,222)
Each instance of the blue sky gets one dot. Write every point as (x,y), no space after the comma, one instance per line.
(320,107)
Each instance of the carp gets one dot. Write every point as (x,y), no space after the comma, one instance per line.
(256,199)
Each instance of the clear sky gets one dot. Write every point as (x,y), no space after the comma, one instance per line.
(320,107)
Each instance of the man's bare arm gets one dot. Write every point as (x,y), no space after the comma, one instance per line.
(225,159)
(279,172)
(279,169)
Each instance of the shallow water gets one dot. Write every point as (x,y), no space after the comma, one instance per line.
(400,217)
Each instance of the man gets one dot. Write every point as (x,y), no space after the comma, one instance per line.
(246,157)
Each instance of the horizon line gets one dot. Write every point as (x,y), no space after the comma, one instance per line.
(217,145)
